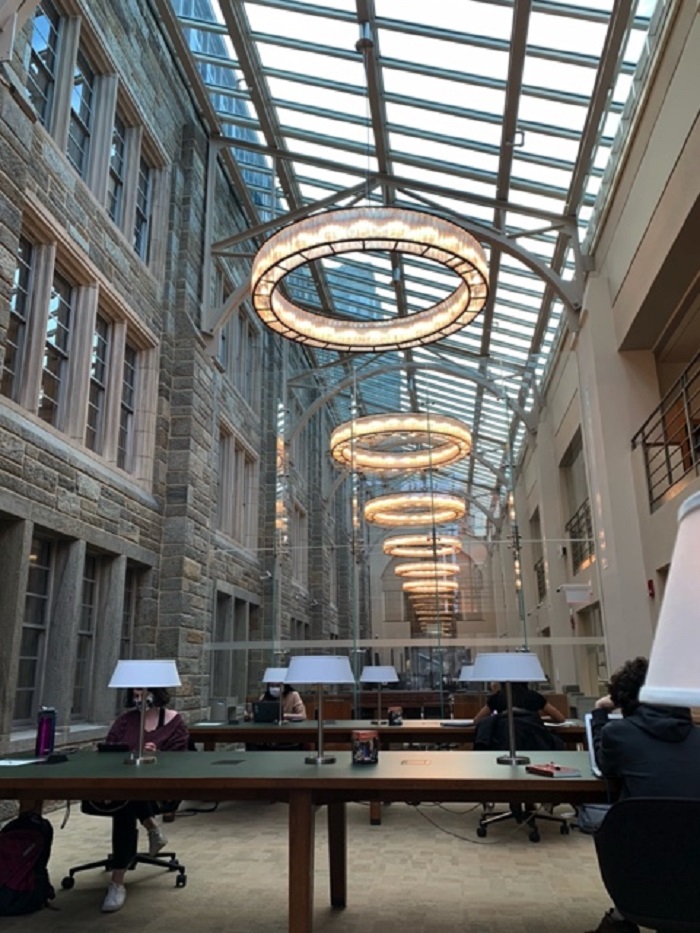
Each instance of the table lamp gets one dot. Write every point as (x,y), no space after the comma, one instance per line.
(508,668)
(379,674)
(319,670)
(276,675)
(467,672)
(143,675)
(673,677)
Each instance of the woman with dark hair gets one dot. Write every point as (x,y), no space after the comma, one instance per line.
(523,699)
(164,730)
(654,751)
(292,703)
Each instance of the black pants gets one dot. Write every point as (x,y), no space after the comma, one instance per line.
(125,830)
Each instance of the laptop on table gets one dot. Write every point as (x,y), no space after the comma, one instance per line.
(266,711)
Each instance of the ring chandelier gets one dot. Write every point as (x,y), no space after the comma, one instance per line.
(426,568)
(414,508)
(365,229)
(422,545)
(430,586)
(400,441)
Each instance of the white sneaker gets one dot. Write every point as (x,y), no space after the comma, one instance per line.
(156,841)
(114,898)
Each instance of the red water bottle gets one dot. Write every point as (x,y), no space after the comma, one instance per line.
(45,731)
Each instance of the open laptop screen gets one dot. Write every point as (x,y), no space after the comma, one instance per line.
(266,711)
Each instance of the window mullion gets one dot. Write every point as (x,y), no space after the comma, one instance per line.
(42,283)
(101,136)
(74,394)
(132,151)
(67,54)
(115,380)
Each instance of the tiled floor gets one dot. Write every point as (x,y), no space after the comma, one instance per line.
(422,871)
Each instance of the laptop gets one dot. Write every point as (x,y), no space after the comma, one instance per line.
(588,721)
(266,711)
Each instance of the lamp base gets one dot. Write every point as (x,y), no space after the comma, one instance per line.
(513,760)
(320,759)
(140,760)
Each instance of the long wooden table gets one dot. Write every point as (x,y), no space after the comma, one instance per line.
(411,776)
(418,731)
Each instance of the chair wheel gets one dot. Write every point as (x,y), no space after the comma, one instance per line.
(564,829)
(534,835)
(481,831)
(67,883)
(181,881)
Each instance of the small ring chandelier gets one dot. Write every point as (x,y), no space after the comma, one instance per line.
(400,441)
(422,545)
(426,569)
(414,508)
(365,229)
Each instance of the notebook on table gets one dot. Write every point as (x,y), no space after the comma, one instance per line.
(266,711)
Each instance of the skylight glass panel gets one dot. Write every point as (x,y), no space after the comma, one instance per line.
(547,144)
(572,79)
(323,126)
(546,112)
(437,53)
(465,16)
(428,87)
(546,174)
(457,153)
(325,98)
(315,64)
(280,21)
(466,128)
(445,179)
(334,154)
(566,33)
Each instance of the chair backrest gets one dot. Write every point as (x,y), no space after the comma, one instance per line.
(334,708)
(649,855)
(559,701)
(530,734)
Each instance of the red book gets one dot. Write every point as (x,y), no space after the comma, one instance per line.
(553,770)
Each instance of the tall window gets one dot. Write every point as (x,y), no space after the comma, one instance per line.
(117,168)
(299,544)
(19,314)
(56,350)
(94,433)
(42,62)
(142,222)
(35,625)
(237,496)
(85,640)
(80,125)
(125,444)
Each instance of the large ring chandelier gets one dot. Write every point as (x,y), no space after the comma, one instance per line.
(422,545)
(400,441)
(430,586)
(414,508)
(364,229)
(426,569)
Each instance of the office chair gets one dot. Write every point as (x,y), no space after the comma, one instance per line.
(649,861)
(167,860)
(530,735)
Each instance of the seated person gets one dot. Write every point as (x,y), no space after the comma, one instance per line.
(653,750)
(292,703)
(165,730)
(523,699)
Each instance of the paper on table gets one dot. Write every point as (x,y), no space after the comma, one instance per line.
(13,762)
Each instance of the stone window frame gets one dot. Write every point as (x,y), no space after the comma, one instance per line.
(240,344)
(52,250)
(299,542)
(77,40)
(238,490)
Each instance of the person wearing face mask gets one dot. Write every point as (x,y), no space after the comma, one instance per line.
(292,704)
(164,730)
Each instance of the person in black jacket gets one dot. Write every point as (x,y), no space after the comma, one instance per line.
(654,751)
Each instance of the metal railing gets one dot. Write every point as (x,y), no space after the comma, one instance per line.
(580,530)
(541,579)
(670,437)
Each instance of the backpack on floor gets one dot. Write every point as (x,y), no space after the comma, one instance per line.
(25,847)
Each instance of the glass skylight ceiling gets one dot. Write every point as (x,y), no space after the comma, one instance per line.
(479,111)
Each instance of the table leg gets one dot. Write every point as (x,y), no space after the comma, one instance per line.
(337,853)
(301,861)
(375,813)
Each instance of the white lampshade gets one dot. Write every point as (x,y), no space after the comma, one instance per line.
(508,666)
(143,674)
(673,678)
(274,675)
(467,672)
(379,674)
(319,669)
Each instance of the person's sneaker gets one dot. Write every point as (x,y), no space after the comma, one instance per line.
(156,841)
(114,898)
(610,925)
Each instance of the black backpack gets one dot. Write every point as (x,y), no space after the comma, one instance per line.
(25,847)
